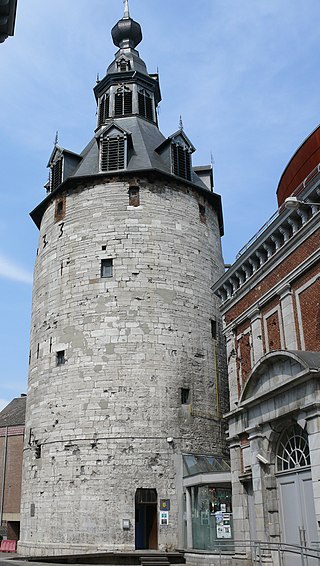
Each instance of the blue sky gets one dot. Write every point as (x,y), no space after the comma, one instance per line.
(242,73)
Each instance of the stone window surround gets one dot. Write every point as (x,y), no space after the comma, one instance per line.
(267,315)
(238,338)
(299,314)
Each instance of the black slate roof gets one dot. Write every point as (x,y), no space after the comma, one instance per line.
(7,18)
(14,413)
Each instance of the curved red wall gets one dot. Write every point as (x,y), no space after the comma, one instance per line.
(300,165)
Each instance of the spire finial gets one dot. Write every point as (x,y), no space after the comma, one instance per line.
(126,15)
(56,139)
(180,123)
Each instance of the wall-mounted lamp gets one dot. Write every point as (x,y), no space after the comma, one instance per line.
(126,524)
(262,459)
(293,202)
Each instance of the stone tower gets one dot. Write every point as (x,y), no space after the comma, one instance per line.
(126,372)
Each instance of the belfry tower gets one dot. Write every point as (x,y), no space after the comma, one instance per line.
(126,369)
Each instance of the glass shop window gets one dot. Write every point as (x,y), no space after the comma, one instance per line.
(212,525)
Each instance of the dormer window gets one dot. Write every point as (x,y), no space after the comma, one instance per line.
(103,112)
(56,174)
(123,102)
(145,104)
(123,65)
(113,152)
(181,161)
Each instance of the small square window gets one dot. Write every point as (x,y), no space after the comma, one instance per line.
(106,267)
(185,396)
(61,358)
(134,198)
(104,248)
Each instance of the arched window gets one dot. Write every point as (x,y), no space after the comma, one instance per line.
(293,449)
(145,104)
(56,171)
(123,65)
(181,161)
(113,152)
(103,112)
(123,102)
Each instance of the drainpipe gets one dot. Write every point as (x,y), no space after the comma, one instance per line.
(5,449)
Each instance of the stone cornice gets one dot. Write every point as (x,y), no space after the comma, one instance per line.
(279,239)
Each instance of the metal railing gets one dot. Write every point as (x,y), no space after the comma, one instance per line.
(259,553)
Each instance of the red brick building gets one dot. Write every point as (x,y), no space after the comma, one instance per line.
(271,308)
(12,419)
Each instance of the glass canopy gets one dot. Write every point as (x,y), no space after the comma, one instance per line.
(202,464)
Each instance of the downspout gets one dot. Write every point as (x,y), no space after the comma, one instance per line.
(5,449)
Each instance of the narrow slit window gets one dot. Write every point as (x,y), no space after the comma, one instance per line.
(214,329)
(106,267)
(185,396)
(37,450)
(60,209)
(202,214)
(61,358)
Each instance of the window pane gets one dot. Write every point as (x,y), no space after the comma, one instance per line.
(106,268)
(60,358)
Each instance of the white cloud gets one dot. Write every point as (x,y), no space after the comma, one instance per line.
(8,270)
(3,403)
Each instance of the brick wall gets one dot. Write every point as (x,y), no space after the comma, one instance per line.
(305,323)
(310,314)
(12,492)
(291,262)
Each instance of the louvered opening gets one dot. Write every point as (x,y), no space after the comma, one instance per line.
(123,103)
(118,104)
(181,162)
(127,103)
(103,110)
(149,108)
(145,105)
(141,103)
(112,154)
(56,174)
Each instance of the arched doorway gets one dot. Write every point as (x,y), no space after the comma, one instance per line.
(146,524)
(297,511)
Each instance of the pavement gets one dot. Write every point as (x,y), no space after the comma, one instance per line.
(12,559)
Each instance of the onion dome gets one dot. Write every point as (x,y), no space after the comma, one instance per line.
(127,32)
